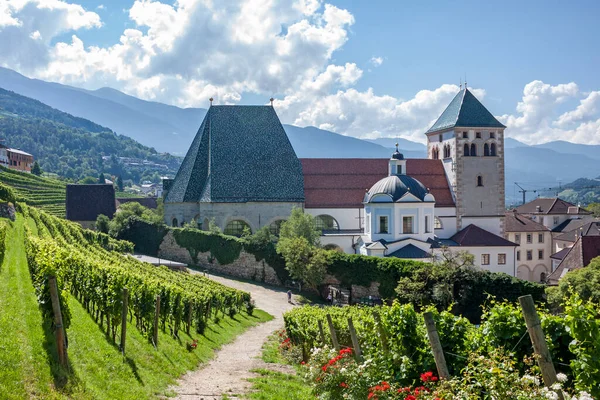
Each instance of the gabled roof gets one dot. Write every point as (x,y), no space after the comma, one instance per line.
(240,154)
(561,254)
(578,256)
(514,222)
(465,110)
(552,205)
(473,235)
(589,229)
(410,251)
(570,224)
(343,182)
(86,202)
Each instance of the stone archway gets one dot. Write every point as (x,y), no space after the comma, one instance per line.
(523,272)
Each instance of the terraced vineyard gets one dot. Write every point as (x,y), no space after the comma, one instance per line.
(44,193)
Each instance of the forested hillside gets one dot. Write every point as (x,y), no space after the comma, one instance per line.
(74,147)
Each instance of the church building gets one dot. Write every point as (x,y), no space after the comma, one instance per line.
(242,172)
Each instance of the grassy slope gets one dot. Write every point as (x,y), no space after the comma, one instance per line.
(98,370)
(272,385)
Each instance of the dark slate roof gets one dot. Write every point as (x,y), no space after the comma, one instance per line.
(410,251)
(579,255)
(514,222)
(465,110)
(86,202)
(561,254)
(473,235)
(397,186)
(240,154)
(553,205)
(342,182)
(589,229)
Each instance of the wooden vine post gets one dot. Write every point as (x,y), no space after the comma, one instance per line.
(538,339)
(321,332)
(436,346)
(381,331)
(189,318)
(58,323)
(157,313)
(124,313)
(334,339)
(357,350)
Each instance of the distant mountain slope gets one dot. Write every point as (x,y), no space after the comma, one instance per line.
(403,144)
(63,144)
(561,146)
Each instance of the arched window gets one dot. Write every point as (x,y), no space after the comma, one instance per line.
(275,227)
(466,150)
(479,180)
(236,228)
(486,150)
(543,277)
(473,150)
(435,153)
(493,149)
(175,223)
(437,223)
(447,151)
(326,223)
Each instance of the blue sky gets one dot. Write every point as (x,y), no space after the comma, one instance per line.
(544,54)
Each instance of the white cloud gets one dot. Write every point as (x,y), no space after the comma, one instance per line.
(186,51)
(537,119)
(376,61)
(101,7)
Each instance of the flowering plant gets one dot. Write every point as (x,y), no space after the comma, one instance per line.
(193,345)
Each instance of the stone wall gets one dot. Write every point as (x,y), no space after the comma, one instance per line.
(7,210)
(245,266)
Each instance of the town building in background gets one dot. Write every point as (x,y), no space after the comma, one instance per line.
(15,159)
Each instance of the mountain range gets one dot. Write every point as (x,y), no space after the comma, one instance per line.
(171,129)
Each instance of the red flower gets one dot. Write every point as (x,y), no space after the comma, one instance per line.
(344,385)
(428,376)
(410,397)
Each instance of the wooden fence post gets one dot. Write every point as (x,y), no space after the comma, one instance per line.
(189,318)
(381,331)
(124,313)
(155,333)
(357,350)
(58,322)
(436,346)
(534,327)
(334,338)
(321,331)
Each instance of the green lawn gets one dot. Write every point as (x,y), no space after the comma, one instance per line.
(97,369)
(272,385)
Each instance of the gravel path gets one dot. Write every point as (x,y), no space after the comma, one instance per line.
(229,371)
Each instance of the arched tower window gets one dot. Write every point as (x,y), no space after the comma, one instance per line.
(473,150)
(466,150)
(493,149)
(326,223)
(175,223)
(479,180)
(236,228)
(275,227)
(486,150)
(437,223)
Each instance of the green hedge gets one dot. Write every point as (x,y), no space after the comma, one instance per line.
(7,194)
(355,269)
(3,230)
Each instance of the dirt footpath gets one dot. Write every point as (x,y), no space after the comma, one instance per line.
(228,372)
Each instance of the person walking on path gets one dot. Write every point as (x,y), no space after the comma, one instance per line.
(289,296)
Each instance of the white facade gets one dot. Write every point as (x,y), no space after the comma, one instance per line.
(533,254)
(493,259)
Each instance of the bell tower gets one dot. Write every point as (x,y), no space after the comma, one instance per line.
(469,141)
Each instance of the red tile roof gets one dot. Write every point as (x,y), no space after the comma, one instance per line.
(342,182)
(551,206)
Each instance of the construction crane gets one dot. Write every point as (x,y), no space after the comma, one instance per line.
(524,191)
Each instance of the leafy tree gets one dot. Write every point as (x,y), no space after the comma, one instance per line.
(102,223)
(299,244)
(88,180)
(120,183)
(36,170)
(594,208)
(585,282)
(130,209)
(101,179)
(304,262)
(303,225)
(213,227)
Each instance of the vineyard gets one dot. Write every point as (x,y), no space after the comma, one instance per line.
(44,193)
(92,267)
(392,357)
